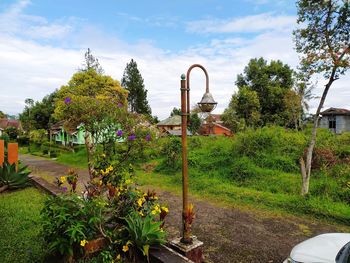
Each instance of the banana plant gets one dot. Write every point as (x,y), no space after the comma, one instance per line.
(11,178)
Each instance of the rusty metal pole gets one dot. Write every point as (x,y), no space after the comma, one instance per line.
(186,238)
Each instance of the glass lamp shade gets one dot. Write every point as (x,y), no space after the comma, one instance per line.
(207,104)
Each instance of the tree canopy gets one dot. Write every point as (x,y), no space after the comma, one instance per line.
(132,81)
(260,99)
(39,115)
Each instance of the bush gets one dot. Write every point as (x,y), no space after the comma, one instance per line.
(23,140)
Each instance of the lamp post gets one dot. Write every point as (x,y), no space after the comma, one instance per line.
(207,104)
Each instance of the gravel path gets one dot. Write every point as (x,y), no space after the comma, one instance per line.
(229,234)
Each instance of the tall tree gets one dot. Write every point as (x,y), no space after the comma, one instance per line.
(91,63)
(132,81)
(323,40)
(270,82)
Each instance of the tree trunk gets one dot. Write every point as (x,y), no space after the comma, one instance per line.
(89,151)
(3,188)
(305,169)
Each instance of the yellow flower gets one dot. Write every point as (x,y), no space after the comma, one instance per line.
(103,155)
(140,202)
(141,214)
(154,212)
(128,181)
(110,168)
(100,182)
(125,248)
(118,257)
(63,179)
(83,243)
(165,209)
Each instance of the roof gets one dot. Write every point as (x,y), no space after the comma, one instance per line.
(5,123)
(171,121)
(335,111)
(178,132)
(57,125)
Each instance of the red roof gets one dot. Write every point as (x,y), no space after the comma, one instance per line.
(335,111)
(5,123)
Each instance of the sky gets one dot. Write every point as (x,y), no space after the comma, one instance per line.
(42,44)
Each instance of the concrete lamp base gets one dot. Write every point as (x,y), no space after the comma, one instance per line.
(191,251)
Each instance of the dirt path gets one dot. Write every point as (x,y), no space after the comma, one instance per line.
(229,234)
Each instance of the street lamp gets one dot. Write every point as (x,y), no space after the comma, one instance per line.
(207,104)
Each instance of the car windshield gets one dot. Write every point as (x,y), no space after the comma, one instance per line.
(343,255)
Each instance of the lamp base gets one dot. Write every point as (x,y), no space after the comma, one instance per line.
(191,251)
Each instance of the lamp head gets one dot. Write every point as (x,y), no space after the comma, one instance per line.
(207,104)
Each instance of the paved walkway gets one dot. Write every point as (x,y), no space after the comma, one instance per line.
(230,235)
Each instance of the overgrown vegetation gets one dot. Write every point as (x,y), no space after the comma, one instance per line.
(260,168)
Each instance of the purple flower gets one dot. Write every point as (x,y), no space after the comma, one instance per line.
(67,100)
(148,137)
(120,105)
(119,133)
(132,137)
(64,188)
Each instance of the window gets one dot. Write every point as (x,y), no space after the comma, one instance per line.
(332,123)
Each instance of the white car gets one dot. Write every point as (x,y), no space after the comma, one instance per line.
(326,248)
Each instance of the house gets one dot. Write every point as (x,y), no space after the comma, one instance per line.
(335,119)
(76,137)
(171,123)
(59,135)
(213,125)
(6,123)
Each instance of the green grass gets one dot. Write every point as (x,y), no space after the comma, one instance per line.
(225,192)
(77,159)
(20,226)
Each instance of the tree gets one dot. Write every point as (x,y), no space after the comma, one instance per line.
(243,109)
(194,123)
(94,100)
(39,115)
(293,109)
(91,63)
(270,82)
(132,81)
(323,40)
(175,111)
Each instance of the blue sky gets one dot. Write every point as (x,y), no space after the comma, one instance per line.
(42,44)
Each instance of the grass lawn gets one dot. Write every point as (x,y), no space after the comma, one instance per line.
(20,226)
(224,192)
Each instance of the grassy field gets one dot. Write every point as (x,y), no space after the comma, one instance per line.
(20,226)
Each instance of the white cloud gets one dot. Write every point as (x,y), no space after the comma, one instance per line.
(31,69)
(253,23)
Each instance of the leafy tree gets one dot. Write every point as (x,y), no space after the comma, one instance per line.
(91,63)
(243,110)
(270,82)
(91,98)
(38,115)
(293,109)
(132,81)
(194,123)
(175,111)
(323,40)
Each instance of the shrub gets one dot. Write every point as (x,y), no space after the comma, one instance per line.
(23,140)
(11,178)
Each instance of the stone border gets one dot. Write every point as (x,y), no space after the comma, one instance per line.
(162,254)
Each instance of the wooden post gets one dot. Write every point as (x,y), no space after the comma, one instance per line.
(12,153)
(2,152)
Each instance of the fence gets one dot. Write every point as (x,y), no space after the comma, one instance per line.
(12,153)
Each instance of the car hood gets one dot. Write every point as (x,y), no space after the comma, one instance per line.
(321,249)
